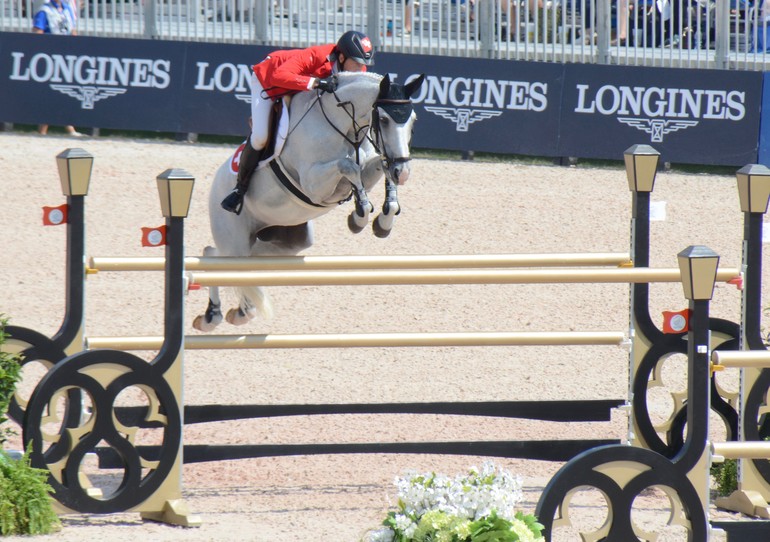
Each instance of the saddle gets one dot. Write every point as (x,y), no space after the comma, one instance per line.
(277,121)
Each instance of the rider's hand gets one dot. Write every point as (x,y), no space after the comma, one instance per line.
(327,85)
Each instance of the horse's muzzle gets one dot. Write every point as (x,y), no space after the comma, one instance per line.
(400,170)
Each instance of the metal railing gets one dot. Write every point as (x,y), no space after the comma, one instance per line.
(725,34)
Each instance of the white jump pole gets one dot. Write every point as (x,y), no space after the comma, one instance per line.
(740,450)
(234,342)
(267,263)
(411,276)
(757,359)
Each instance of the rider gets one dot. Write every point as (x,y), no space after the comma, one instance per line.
(288,72)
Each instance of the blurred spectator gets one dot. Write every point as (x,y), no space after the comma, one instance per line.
(518,13)
(761,29)
(621,23)
(56,17)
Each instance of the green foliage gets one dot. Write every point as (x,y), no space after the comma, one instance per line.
(10,373)
(725,476)
(25,501)
(475,507)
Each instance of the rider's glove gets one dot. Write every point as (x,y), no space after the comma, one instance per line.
(327,85)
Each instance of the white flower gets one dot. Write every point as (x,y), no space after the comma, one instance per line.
(435,504)
(381,535)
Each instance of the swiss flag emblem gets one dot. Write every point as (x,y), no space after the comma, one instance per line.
(154,237)
(236,159)
(54,216)
(676,322)
(366,43)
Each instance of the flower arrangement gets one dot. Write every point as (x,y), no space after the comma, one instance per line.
(479,506)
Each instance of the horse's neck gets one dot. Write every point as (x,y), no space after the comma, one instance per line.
(330,121)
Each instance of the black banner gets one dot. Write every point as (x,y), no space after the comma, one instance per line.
(95,82)
(216,97)
(499,106)
(689,116)
(482,105)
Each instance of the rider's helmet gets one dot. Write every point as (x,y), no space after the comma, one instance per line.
(356,45)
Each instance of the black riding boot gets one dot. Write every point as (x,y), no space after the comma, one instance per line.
(248,163)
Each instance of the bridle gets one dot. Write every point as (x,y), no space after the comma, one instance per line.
(377,139)
(361,131)
(358,129)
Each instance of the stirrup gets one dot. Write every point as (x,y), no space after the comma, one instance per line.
(233,202)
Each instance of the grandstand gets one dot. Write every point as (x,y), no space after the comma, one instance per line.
(721,34)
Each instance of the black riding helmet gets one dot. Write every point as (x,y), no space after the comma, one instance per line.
(356,45)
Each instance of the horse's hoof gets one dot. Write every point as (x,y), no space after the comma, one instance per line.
(353,225)
(201,324)
(237,317)
(379,231)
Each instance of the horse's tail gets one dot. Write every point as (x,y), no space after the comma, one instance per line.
(259,298)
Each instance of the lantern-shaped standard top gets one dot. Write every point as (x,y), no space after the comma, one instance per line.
(74,171)
(641,167)
(175,188)
(698,265)
(753,188)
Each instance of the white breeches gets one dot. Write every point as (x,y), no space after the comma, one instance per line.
(260,114)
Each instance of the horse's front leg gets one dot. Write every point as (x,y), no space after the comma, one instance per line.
(359,218)
(213,316)
(345,175)
(383,224)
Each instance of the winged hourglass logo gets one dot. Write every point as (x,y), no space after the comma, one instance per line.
(87,95)
(463,118)
(657,128)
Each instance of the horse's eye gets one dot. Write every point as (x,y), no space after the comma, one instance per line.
(384,120)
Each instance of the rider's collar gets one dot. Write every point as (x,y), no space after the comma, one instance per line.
(335,62)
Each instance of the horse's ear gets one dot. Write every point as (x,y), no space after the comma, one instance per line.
(385,86)
(412,86)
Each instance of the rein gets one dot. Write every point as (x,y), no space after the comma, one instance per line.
(357,129)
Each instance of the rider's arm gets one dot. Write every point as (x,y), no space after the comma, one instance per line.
(303,69)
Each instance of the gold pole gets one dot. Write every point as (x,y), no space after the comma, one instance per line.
(741,450)
(232,342)
(410,276)
(365,262)
(757,359)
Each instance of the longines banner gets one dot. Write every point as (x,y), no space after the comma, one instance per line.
(530,108)
(105,83)
(690,116)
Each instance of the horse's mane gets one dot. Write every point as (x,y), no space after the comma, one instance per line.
(344,78)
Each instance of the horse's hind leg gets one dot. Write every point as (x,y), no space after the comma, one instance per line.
(245,312)
(213,315)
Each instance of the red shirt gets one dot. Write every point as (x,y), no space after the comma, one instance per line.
(290,71)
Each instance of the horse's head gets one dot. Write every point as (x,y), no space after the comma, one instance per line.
(392,123)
